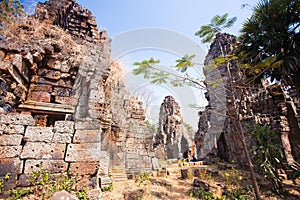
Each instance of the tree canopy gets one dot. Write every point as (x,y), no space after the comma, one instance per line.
(270,41)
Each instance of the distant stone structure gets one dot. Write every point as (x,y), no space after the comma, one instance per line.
(63,104)
(258,104)
(172,136)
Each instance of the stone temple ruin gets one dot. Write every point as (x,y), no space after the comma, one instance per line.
(259,104)
(63,103)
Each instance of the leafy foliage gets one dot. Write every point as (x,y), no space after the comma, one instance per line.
(142,178)
(150,70)
(209,31)
(270,41)
(269,155)
(107,188)
(44,184)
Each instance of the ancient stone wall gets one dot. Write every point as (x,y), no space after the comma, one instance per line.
(73,18)
(62,103)
(172,137)
(256,104)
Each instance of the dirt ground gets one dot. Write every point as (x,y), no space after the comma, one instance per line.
(173,187)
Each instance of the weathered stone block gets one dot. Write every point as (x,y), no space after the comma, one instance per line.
(10,165)
(40,88)
(52,166)
(54,63)
(60,91)
(14,129)
(39,134)
(87,136)
(65,67)
(10,151)
(94,194)
(88,152)
(55,75)
(10,140)
(104,163)
(63,100)
(40,150)
(84,168)
(39,97)
(16,119)
(87,125)
(65,138)
(2,127)
(63,195)
(20,66)
(64,127)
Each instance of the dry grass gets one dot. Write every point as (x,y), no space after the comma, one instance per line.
(172,187)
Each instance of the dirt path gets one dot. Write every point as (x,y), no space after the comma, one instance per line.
(172,187)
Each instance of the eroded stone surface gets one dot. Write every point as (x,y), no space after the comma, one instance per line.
(39,134)
(41,150)
(87,136)
(10,151)
(53,166)
(10,140)
(86,168)
(87,152)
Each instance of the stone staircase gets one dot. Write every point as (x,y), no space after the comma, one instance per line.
(118,173)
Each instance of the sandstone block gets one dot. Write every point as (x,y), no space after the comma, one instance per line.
(63,100)
(87,136)
(63,195)
(40,150)
(88,152)
(65,83)
(16,119)
(39,134)
(64,127)
(63,92)
(65,67)
(64,138)
(10,165)
(87,125)
(53,166)
(84,168)
(2,128)
(94,194)
(104,163)
(51,74)
(24,180)
(39,97)
(10,140)
(40,88)
(13,129)
(10,151)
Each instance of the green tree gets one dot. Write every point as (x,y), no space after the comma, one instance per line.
(217,24)
(270,41)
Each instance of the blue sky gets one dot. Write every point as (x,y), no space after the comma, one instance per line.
(183,16)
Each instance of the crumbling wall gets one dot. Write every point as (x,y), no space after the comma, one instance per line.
(172,137)
(61,104)
(256,103)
